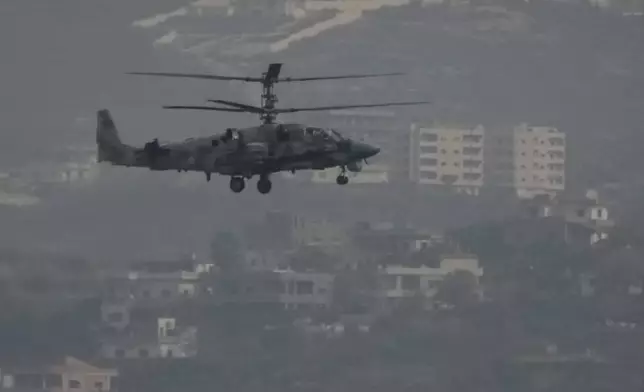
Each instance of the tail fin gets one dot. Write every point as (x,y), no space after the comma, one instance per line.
(110,147)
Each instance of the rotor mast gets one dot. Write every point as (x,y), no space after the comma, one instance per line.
(269,99)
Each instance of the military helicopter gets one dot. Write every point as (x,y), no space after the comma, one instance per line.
(243,153)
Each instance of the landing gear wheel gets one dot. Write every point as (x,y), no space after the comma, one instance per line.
(264,185)
(237,184)
(342,180)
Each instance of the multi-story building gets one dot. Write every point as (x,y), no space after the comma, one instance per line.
(529,159)
(71,375)
(398,281)
(283,288)
(451,156)
(155,284)
(539,155)
(166,339)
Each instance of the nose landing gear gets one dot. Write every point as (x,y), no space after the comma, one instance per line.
(342,178)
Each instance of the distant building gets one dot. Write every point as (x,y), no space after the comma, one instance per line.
(529,159)
(168,340)
(401,282)
(72,375)
(317,231)
(587,212)
(447,156)
(285,288)
(156,283)
(387,239)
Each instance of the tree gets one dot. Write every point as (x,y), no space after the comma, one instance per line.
(458,288)
(226,251)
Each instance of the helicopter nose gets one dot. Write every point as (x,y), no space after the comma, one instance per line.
(364,150)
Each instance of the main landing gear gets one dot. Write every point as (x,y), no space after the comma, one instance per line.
(342,178)
(237,184)
(264,185)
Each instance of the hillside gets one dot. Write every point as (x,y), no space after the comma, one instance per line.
(568,66)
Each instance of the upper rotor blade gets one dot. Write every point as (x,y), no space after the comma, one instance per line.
(321,108)
(197,76)
(205,108)
(357,76)
(273,72)
(244,107)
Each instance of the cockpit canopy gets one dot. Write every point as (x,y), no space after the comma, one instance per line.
(324,133)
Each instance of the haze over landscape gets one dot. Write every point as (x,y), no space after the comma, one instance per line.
(492,240)
(572,66)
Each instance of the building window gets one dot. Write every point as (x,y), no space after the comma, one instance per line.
(428,161)
(304,287)
(411,283)
(556,166)
(471,176)
(471,150)
(471,163)
(556,154)
(428,149)
(428,137)
(428,175)
(74,384)
(53,381)
(474,139)
(556,141)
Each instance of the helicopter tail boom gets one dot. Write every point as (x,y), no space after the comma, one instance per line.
(110,147)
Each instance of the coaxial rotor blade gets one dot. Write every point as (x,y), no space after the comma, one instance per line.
(321,108)
(205,108)
(249,108)
(357,76)
(197,76)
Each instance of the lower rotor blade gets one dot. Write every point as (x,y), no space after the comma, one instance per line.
(205,108)
(320,108)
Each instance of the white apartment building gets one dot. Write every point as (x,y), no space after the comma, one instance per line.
(539,160)
(444,155)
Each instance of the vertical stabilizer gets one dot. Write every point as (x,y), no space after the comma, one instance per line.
(110,147)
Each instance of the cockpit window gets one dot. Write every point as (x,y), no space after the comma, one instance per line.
(335,136)
(327,134)
(317,132)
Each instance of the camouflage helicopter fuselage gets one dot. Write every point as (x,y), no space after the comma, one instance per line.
(239,153)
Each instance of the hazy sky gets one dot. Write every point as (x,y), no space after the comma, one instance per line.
(63,60)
